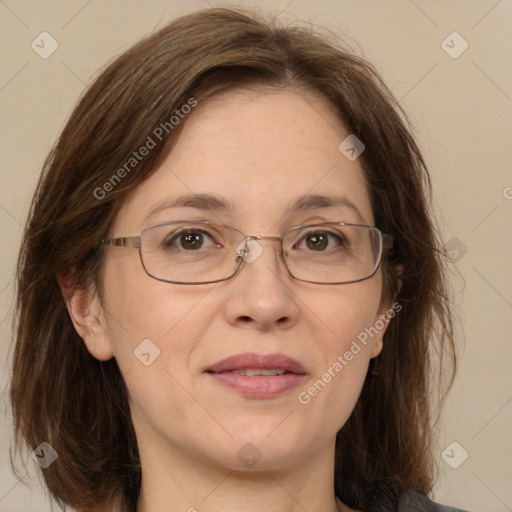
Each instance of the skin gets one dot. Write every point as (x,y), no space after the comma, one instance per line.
(261,149)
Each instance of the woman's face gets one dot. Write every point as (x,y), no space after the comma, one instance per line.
(260,151)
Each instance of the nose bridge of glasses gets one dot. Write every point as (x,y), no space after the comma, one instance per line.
(252,249)
(261,237)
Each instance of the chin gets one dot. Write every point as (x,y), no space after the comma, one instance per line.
(277,427)
(249,456)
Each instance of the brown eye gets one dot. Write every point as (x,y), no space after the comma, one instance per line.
(188,240)
(321,241)
(317,241)
(191,241)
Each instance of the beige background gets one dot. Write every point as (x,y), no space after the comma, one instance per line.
(462,110)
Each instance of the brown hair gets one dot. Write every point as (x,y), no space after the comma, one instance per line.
(56,383)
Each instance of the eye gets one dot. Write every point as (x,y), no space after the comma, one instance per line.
(190,240)
(319,241)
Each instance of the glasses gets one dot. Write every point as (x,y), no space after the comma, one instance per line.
(199,252)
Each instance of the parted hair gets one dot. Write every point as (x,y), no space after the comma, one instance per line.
(62,395)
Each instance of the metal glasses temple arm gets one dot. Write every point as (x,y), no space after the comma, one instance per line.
(123,241)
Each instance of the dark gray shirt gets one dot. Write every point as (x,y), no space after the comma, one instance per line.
(416,502)
(386,500)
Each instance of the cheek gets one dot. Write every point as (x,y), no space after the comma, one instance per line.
(154,328)
(331,395)
(139,308)
(346,318)
(346,313)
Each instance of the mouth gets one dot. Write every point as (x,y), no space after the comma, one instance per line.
(258,375)
(252,365)
(255,372)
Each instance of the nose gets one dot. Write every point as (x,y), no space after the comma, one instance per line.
(261,295)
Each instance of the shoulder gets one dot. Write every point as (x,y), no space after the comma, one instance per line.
(412,501)
(384,497)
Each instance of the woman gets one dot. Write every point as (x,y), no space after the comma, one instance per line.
(230,287)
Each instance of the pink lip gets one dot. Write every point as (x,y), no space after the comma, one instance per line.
(262,386)
(258,361)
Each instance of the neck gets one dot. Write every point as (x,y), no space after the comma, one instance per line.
(175,483)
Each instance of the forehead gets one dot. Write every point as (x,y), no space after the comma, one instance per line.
(261,150)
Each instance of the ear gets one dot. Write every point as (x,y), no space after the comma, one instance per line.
(86,312)
(385,313)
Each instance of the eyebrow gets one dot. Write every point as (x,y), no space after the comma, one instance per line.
(210,202)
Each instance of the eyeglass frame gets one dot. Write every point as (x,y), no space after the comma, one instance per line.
(135,242)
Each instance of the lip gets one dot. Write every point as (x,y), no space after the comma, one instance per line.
(258,386)
(257,361)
